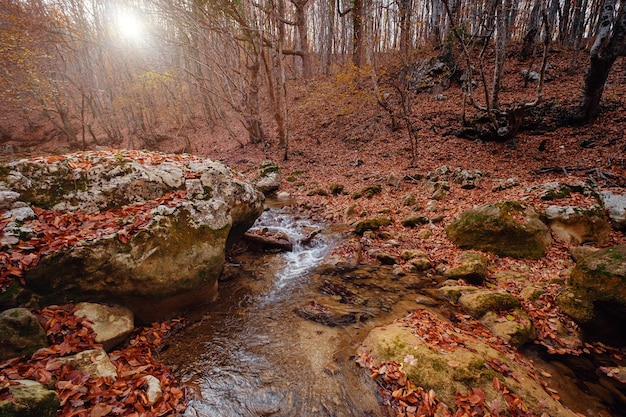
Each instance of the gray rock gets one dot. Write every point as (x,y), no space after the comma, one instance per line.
(30,399)
(578,225)
(94,362)
(270,178)
(111,324)
(20,333)
(7,198)
(616,205)
(20,214)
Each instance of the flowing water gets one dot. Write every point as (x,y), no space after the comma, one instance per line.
(250,355)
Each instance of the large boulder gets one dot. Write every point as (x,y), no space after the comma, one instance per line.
(20,333)
(596,294)
(30,399)
(578,225)
(153,227)
(439,356)
(507,228)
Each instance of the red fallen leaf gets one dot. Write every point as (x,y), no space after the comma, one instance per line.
(100,410)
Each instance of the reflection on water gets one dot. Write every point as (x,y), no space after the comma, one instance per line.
(251,356)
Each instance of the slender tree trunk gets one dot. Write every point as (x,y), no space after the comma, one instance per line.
(301,25)
(502,34)
(406,7)
(532,30)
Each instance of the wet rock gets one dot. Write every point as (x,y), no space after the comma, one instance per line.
(111,324)
(411,221)
(265,240)
(95,362)
(329,316)
(20,333)
(30,399)
(507,229)
(478,303)
(578,225)
(373,223)
(464,363)
(472,268)
(426,301)
(454,292)
(596,294)
(616,205)
(270,178)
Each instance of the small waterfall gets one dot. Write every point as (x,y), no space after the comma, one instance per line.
(310,245)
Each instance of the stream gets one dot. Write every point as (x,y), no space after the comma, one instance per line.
(264,349)
(248,354)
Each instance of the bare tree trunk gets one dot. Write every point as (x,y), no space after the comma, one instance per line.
(609,44)
(532,30)
(503,8)
(406,7)
(301,25)
(358,33)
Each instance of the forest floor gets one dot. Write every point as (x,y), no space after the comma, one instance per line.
(338,134)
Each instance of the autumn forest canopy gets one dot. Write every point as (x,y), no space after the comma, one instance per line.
(137,72)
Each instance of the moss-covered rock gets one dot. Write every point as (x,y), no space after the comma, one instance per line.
(412,220)
(373,223)
(454,292)
(477,303)
(596,292)
(30,399)
(170,261)
(507,228)
(464,363)
(20,333)
(471,267)
(515,328)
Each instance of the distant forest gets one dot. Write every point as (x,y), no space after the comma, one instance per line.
(100,71)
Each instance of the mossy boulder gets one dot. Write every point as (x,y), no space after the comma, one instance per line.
(472,267)
(478,303)
(181,211)
(464,363)
(507,228)
(373,223)
(596,293)
(578,225)
(30,399)
(20,333)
